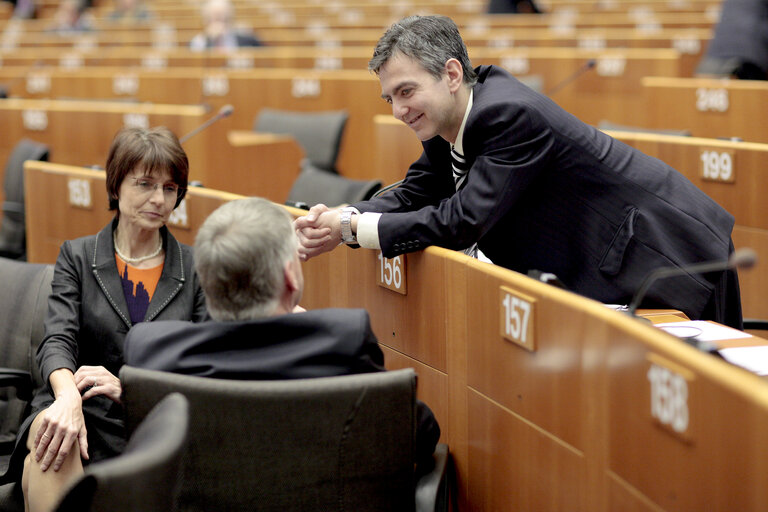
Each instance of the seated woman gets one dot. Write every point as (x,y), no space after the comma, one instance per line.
(132,271)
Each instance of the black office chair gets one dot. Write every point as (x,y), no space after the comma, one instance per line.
(314,186)
(23,306)
(145,477)
(318,133)
(12,229)
(330,443)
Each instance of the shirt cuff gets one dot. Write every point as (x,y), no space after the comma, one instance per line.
(368,230)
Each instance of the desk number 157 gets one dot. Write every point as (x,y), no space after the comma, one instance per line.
(517,318)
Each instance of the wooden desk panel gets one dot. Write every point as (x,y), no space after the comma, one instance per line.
(80,132)
(609,91)
(708,107)
(257,164)
(247,90)
(544,387)
(718,463)
(354,54)
(513,465)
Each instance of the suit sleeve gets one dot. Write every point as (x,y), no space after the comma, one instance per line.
(424,185)
(59,347)
(512,144)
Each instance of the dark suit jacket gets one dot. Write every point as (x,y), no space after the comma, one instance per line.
(739,45)
(319,343)
(88,319)
(546,191)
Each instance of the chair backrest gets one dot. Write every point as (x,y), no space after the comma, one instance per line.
(314,186)
(12,229)
(318,133)
(23,306)
(330,443)
(145,477)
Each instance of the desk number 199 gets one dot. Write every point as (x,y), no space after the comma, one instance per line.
(517,318)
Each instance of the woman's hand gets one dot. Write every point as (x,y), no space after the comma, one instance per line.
(97,380)
(62,424)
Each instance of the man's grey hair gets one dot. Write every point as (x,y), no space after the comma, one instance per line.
(240,252)
(430,40)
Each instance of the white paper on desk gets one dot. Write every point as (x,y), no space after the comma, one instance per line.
(709,331)
(754,359)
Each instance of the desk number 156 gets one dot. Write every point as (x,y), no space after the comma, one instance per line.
(391,273)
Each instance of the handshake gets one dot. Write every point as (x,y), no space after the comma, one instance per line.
(319,231)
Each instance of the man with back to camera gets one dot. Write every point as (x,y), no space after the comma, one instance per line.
(246,257)
(508,175)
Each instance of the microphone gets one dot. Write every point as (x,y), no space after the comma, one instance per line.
(583,69)
(741,258)
(223,112)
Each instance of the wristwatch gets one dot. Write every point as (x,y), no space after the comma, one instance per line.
(346,226)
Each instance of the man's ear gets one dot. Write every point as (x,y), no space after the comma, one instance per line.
(291,279)
(455,73)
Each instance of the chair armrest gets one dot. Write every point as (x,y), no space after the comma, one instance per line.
(433,489)
(18,379)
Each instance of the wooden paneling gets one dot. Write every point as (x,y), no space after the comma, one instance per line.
(708,107)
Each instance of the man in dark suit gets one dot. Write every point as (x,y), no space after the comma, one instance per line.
(219,31)
(508,175)
(247,261)
(739,44)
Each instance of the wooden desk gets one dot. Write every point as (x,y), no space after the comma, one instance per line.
(607,92)
(80,132)
(247,90)
(707,107)
(568,425)
(346,54)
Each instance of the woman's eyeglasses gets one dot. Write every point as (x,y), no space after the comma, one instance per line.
(148,187)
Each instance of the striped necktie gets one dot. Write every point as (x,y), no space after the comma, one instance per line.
(459,165)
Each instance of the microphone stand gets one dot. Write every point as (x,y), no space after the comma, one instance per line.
(660,273)
(225,111)
(583,69)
